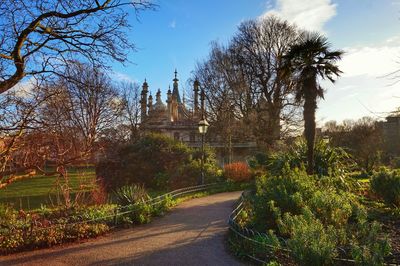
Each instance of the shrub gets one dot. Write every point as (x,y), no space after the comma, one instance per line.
(45,228)
(140,213)
(386,184)
(316,215)
(237,172)
(130,195)
(165,205)
(328,160)
(330,207)
(289,191)
(158,162)
(369,247)
(310,242)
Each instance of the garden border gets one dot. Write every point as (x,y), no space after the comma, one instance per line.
(119,211)
(246,234)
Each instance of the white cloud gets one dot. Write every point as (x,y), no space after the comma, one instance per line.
(308,14)
(373,61)
(172,24)
(358,96)
(122,77)
(364,88)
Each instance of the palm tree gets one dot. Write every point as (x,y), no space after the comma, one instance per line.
(306,62)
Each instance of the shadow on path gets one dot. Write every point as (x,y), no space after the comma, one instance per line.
(192,234)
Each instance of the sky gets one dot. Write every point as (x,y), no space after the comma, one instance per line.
(178,34)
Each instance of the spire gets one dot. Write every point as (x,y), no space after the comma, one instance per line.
(196,85)
(158,96)
(145,87)
(150,105)
(143,101)
(175,91)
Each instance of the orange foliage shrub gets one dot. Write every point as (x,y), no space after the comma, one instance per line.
(237,172)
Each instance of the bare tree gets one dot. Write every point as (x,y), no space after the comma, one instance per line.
(18,115)
(66,125)
(41,37)
(245,79)
(362,139)
(130,97)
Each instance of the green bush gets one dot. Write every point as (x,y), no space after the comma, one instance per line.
(329,161)
(158,162)
(45,228)
(386,184)
(165,205)
(289,191)
(331,208)
(369,247)
(129,195)
(310,242)
(316,215)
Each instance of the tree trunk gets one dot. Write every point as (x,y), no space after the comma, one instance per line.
(310,105)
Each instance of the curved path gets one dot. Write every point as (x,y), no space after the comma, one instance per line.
(194,233)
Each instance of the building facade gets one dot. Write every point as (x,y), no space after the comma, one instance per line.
(391,134)
(172,118)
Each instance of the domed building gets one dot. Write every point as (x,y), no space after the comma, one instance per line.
(173,118)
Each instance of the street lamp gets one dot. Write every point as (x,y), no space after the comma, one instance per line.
(203,126)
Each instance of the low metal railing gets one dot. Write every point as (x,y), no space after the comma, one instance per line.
(128,209)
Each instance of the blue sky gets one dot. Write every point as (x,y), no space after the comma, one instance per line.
(179,32)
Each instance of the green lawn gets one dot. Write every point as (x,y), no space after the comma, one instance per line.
(32,192)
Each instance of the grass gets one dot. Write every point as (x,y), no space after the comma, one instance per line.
(32,192)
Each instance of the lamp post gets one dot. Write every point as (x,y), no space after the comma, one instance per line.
(203,126)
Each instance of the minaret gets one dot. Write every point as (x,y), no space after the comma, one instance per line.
(174,107)
(176,99)
(150,103)
(202,101)
(196,85)
(169,104)
(158,97)
(175,88)
(143,101)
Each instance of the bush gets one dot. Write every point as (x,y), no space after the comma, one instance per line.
(130,195)
(386,184)
(310,242)
(238,172)
(330,207)
(158,162)
(369,247)
(289,191)
(316,215)
(329,161)
(45,228)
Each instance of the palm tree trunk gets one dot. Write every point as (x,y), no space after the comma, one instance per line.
(310,105)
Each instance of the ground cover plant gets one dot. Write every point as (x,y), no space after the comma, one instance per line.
(46,227)
(318,219)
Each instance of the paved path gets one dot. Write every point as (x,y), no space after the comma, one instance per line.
(194,233)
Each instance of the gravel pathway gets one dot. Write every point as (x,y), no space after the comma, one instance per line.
(194,233)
